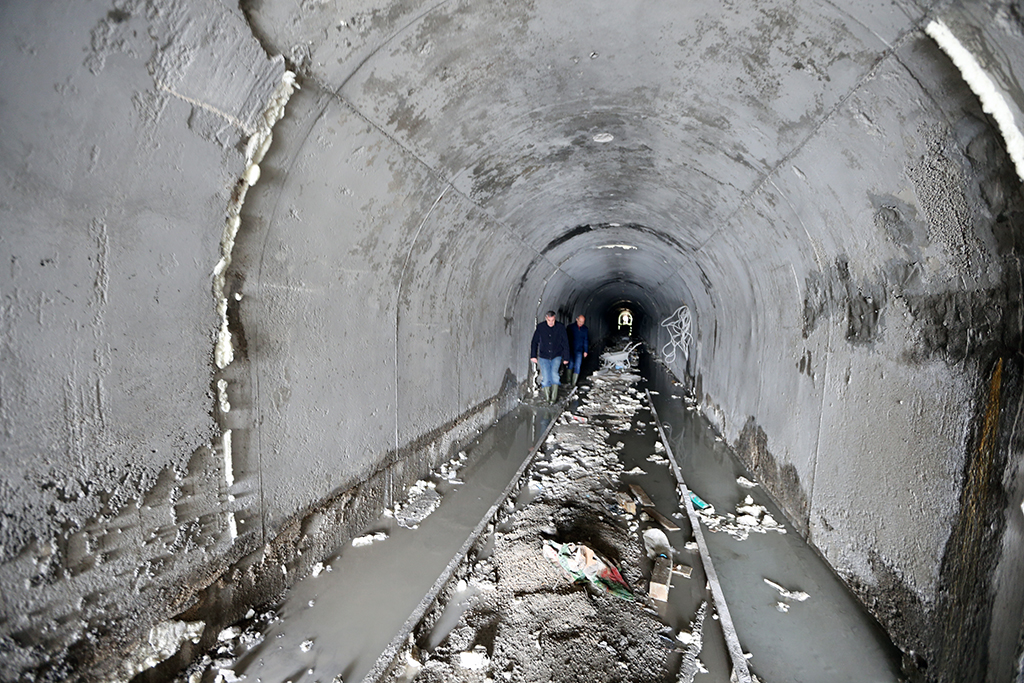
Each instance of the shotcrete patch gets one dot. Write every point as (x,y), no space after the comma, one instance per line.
(782,481)
(954,324)
(898,219)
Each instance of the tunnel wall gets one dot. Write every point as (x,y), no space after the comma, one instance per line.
(852,359)
(852,275)
(118,162)
(378,322)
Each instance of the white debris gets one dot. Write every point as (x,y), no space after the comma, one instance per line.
(229,470)
(659,447)
(306,646)
(227,676)
(782,607)
(636,470)
(251,174)
(230,633)
(745,483)
(411,669)
(690,665)
(163,640)
(222,396)
(750,518)
(657,459)
(360,541)
(656,543)
(474,659)
(317,569)
(799,596)
(423,499)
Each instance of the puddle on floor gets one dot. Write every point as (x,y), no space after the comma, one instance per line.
(333,626)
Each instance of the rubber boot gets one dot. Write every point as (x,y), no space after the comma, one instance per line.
(554,393)
(547,394)
(572,379)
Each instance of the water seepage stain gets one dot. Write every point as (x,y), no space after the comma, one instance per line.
(964,613)
(782,481)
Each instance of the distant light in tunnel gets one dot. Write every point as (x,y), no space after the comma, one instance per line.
(626,321)
(616,246)
(604,137)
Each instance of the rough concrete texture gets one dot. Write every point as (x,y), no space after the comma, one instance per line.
(817,183)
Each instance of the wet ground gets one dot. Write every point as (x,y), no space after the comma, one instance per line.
(510,611)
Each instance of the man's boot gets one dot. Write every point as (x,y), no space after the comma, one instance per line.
(572,379)
(547,394)
(554,393)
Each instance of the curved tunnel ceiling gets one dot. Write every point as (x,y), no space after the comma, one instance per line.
(679,120)
(817,183)
(504,102)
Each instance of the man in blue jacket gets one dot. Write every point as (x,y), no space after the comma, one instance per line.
(580,336)
(549,346)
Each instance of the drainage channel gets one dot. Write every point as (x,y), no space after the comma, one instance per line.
(334,624)
(792,614)
(748,600)
(573,581)
(482,575)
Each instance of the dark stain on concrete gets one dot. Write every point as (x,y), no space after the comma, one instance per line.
(964,612)
(897,607)
(781,481)
(835,292)
(955,324)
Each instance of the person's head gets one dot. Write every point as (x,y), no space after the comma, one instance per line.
(580,319)
(550,318)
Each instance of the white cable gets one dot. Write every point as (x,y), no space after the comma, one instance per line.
(678,326)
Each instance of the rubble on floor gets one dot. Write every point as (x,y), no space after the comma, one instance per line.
(549,577)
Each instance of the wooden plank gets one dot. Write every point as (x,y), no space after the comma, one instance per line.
(641,495)
(662,519)
(661,579)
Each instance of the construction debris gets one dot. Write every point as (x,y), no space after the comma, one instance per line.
(584,565)
(799,596)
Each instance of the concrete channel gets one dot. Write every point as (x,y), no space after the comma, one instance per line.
(409,604)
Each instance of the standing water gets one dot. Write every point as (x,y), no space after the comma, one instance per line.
(332,626)
(508,612)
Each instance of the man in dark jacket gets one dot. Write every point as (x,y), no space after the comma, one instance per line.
(580,336)
(549,346)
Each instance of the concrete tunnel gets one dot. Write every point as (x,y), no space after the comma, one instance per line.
(264,265)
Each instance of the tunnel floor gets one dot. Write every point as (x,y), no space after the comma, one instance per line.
(507,612)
